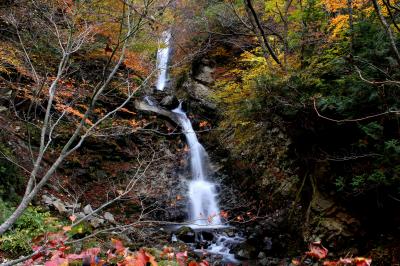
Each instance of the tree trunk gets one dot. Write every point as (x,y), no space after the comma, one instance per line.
(262,33)
(388,30)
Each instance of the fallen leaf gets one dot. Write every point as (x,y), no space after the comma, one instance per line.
(317,250)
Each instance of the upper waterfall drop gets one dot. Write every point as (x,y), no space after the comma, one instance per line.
(204,210)
(162,60)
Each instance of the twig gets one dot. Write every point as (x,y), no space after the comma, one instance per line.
(355,119)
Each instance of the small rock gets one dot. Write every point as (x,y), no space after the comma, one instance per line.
(88,209)
(79,215)
(47,200)
(59,205)
(96,222)
(267,243)
(109,217)
(245,252)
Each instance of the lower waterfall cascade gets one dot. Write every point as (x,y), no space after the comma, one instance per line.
(204,210)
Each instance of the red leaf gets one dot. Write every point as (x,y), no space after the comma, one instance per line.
(120,249)
(330,263)
(57,262)
(204,263)
(181,258)
(317,251)
(72,218)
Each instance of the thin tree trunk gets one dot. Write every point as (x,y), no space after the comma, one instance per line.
(350,11)
(388,30)
(262,33)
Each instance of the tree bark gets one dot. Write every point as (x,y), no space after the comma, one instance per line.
(262,33)
(388,30)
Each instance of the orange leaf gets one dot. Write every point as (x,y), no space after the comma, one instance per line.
(362,261)
(67,228)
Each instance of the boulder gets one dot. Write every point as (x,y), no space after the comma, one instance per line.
(207,235)
(203,71)
(204,74)
(170,102)
(186,234)
(201,93)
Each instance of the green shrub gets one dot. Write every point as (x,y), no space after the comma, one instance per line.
(32,224)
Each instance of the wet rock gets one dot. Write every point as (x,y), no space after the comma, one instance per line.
(245,251)
(87,209)
(207,235)
(186,234)
(109,217)
(169,102)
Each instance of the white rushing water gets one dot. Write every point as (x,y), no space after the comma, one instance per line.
(162,60)
(204,209)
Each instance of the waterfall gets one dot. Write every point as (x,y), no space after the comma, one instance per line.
(204,210)
(162,60)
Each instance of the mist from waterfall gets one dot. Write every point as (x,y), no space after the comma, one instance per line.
(162,60)
(204,210)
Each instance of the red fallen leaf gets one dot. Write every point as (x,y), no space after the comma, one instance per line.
(204,263)
(346,261)
(362,261)
(120,249)
(57,262)
(193,263)
(330,263)
(110,255)
(143,258)
(317,250)
(181,258)
(72,218)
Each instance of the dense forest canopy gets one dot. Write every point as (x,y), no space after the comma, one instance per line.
(296,101)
